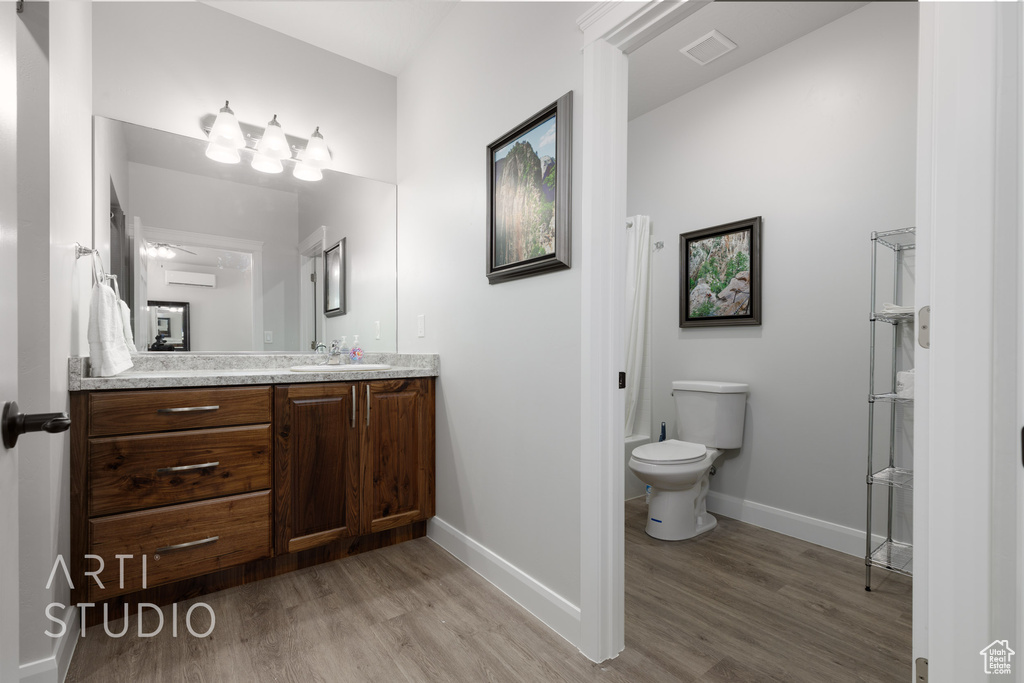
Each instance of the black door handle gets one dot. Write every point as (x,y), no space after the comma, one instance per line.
(14,423)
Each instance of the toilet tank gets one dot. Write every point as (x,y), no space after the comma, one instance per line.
(710,413)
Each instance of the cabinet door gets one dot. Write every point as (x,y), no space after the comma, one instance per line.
(316,464)
(398,452)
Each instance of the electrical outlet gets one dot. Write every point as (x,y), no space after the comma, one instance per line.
(376,328)
(268,337)
(421,330)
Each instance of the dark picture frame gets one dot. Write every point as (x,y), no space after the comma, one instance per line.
(521,240)
(334,280)
(172,308)
(720,275)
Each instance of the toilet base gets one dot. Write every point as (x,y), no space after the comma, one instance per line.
(679,515)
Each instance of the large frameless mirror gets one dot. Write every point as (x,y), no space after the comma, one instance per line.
(244,250)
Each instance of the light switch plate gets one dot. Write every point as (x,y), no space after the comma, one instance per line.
(268,337)
(420,326)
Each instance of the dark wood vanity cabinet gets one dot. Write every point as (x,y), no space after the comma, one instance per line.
(222,486)
(351,458)
(316,465)
(398,453)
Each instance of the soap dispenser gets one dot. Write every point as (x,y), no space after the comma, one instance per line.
(344,349)
(355,354)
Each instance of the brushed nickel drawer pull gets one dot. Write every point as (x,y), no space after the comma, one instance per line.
(183,546)
(185,468)
(353,424)
(367,405)
(190,409)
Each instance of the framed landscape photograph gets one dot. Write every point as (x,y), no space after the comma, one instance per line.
(720,275)
(529,188)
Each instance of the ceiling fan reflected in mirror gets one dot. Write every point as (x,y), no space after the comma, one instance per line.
(165,250)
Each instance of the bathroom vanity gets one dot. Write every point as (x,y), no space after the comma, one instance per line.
(219,475)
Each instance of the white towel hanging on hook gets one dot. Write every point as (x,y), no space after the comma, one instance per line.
(109,351)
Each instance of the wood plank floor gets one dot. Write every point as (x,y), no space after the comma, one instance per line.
(739,604)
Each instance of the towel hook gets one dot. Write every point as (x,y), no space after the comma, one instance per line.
(81,251)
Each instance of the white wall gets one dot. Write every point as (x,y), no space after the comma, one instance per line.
(818,138)
(365,213)
(220,318)
(163,198)
(167,64)
(508,403)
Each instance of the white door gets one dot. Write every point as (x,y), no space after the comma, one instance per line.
(9,636)
(967,434)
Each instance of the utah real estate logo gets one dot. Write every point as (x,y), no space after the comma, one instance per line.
(998,657)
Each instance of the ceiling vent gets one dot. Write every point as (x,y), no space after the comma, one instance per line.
(708,48)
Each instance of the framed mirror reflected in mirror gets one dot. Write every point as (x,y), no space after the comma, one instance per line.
(334,280)
(245,249)
(169,320)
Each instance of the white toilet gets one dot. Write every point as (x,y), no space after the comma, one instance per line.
(709,420)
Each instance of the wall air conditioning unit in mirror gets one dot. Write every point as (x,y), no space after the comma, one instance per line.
(181,277)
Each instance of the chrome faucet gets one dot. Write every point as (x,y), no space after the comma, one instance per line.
(321,350)
(335,353)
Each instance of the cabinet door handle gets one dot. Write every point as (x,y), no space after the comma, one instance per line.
(353,423)
(185,468)
(190,409)
(367,405)
(183,546)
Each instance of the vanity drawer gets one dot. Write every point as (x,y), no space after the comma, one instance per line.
(139,412)
(149,470)
(179,542)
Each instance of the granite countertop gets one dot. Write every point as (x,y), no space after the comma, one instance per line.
(168,370)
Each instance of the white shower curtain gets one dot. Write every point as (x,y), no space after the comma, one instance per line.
(638,287)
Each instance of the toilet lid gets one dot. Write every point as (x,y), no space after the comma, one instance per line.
(671,452)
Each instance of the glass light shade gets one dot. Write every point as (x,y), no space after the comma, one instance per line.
(316,153)
(304,171)
(152,251)
(223,154)
(225,131)
(264,164)
(274,144)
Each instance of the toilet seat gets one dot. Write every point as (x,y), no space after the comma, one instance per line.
(670,452)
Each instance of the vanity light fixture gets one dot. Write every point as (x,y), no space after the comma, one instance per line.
(316,153)
(271,147)
(316,156)
(274,145)
(304,171)
(265,164)
(225,137)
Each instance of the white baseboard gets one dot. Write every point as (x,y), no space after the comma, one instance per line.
(828,534)
(54,668)
(556,612)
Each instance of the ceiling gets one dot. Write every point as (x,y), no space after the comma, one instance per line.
(659,72)
(386,34)
(382,34)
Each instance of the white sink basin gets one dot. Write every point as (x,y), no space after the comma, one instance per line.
(363,367)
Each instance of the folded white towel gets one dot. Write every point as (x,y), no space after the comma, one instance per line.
(108,350)
(894,308)
(126,323)
(905,384)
